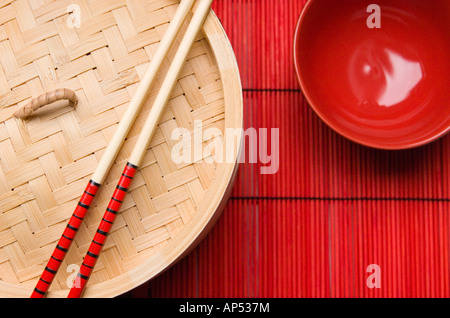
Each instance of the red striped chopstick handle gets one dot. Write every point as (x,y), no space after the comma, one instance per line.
(65,241)
(103,230)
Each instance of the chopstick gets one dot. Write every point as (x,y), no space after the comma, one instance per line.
(111,152)
(139,150)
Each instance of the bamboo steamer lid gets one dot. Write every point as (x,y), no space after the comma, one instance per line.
(47,158)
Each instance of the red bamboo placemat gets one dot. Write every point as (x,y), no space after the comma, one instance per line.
(332,210)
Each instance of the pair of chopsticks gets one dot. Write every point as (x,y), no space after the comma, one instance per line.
(114,146)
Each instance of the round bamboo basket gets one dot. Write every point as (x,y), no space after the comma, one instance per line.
(47,159)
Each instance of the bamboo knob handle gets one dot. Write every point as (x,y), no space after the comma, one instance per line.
(45,99)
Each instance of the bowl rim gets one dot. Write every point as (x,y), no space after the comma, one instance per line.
(329,123)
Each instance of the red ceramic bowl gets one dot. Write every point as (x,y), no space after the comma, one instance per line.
(383,85)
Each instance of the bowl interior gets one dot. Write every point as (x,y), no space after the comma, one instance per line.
(385,86)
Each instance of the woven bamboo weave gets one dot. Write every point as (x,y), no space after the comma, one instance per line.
(47,158)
